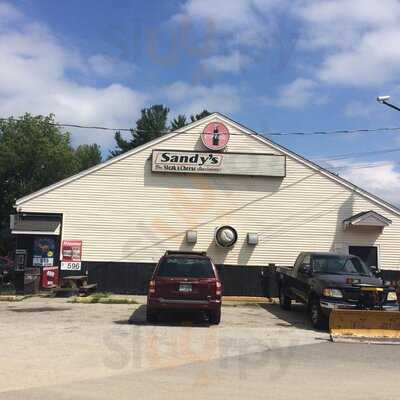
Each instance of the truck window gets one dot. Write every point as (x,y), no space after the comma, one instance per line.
(338,264)
(355,266)
(298,261)
(306,259)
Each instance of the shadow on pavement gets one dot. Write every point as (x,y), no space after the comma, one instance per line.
(297,317)
(193,319)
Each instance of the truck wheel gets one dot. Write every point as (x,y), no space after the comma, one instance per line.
(318,319)
(284,301)
(214,317)
(151,316)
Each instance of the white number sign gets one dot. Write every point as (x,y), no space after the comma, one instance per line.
(70,266)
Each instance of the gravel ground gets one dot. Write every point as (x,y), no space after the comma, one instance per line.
(54,349)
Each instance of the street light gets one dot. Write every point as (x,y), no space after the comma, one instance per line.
(385,100)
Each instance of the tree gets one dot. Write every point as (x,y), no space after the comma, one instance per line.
(203,114)
(88,155)
(34,153)
(151,125)
(178,122)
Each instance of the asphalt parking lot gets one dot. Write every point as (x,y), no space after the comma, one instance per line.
(54,349)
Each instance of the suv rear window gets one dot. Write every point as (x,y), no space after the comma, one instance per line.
(182,267)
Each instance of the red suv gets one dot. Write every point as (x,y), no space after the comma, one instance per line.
(185,281)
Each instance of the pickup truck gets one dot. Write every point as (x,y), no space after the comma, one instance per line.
(324,281)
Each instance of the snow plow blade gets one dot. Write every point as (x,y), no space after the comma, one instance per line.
(365,326)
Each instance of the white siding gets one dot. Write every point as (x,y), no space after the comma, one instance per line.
(124,212)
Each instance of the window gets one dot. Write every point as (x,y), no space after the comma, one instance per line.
(180,267)
(354,266)
(339,265)
(306,259)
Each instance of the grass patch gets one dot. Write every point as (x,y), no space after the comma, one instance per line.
(241,304)
(102,298)
(12,297)
(7,292)
(84,300)
(99,295)
(117,300)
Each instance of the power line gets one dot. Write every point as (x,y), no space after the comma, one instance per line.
(344,131)
(278,133)
(282,133)
(100,128)
(362,166)
(358,154)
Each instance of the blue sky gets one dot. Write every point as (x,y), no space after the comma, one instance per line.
(272,65)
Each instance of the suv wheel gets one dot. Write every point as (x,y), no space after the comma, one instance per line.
(318,319)
(151,316)
(214,317)
(284,301)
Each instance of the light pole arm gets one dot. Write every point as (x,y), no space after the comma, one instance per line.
(390,105)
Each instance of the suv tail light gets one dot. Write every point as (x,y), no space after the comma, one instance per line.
(152,287)
(218,288)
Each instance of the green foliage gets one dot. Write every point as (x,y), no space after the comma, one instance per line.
(178,122)
(87,155)
(196,117)
(151,125)
(34,153)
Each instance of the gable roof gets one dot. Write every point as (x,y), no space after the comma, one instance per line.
(364,217)
(240,127)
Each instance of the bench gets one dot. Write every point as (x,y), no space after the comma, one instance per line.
(75,285)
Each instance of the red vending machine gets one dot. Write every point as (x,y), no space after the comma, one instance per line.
(50,277)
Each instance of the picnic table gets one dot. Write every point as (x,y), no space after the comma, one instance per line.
(75,284)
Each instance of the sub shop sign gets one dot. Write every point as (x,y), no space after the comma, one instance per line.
(189,162)
(198,162)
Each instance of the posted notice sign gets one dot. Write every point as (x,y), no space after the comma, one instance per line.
(71,255)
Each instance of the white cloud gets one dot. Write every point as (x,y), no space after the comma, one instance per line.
(379,178)
(236,33)
(8,12)
(190,99)
(110,67)
(364,109)
(358,39)
(34,77)
(232,62)
(356,42)
(374,61)
(245,21)
(298,94)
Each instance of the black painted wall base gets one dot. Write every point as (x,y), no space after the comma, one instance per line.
(133,278)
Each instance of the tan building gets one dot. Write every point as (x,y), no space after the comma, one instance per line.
(176,191)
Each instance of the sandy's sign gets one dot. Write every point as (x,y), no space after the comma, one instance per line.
(182,161)
(197,162)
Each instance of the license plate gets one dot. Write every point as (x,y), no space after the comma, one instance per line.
(185,287)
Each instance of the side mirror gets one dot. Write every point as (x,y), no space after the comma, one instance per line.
(305,269)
